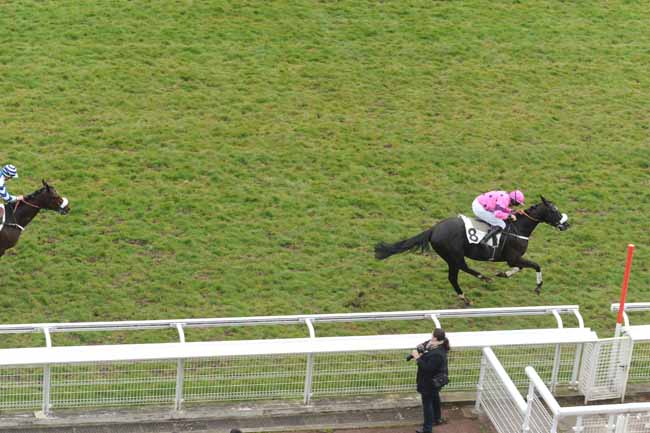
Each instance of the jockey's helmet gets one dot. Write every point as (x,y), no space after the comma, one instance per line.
(9,171)
(517,197)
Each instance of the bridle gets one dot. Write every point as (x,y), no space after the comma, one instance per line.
(562,220)
(15,223)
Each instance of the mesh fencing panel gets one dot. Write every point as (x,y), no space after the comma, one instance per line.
(113,384)
(498,404)
(604,368)
(541,418)
(640,366)
(21,388)
(244,378)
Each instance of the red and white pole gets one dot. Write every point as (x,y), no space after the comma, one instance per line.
(626,280)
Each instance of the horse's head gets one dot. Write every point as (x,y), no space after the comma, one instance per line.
(547,212)
(48,198)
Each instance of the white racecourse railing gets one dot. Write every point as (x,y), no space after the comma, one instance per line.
(500,400)
(297,368)
(305,319)
(640,335)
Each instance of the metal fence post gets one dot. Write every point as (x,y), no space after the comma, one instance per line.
(180,372)
(576,365)
(47,375)
(525,428)
(479,386)
(621,423)
(47,378)
(558,355)
(309,373)
(180,376)
(627,365)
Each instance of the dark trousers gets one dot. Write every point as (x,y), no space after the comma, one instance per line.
(430,409)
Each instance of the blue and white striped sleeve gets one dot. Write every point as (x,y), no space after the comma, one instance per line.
(5,195)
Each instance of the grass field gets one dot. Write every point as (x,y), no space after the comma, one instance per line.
(242,158)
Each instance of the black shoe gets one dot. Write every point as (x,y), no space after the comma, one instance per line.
(440,421)
(422,431)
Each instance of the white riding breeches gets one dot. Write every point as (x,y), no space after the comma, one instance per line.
(486,216)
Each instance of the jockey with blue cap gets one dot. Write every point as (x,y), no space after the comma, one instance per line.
(8,172)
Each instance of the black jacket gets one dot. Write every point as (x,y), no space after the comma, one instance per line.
(430,364)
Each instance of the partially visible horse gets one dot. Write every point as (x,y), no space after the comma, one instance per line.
(22,212)
(449,240)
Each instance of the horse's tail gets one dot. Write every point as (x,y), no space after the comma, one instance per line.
(418,242)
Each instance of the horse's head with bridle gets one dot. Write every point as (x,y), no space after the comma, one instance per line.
(46,198)
(21,213)
(547,212)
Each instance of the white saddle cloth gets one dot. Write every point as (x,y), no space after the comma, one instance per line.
(475,230)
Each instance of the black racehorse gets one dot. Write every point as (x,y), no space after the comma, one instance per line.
(22,212)
(448,239)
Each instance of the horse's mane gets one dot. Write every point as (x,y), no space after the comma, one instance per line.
(533,207)
(35,193)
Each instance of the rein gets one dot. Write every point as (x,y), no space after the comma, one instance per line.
(27,203)
(523,212)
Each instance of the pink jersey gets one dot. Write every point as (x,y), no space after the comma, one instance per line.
(497,202)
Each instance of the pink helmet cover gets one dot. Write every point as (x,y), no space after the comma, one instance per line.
(517,196)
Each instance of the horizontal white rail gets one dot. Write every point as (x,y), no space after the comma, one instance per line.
(604,409)
(194,350)
(630,307)
(304,319)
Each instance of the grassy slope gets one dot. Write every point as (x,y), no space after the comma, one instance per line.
(241,158)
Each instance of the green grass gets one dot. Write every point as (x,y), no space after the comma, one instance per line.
(242,158)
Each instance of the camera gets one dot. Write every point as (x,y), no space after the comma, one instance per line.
(421,348)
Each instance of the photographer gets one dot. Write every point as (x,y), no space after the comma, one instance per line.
(431,357)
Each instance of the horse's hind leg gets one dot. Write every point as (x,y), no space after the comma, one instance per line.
(453,279)
(452,274)
(509,273)
(463,267)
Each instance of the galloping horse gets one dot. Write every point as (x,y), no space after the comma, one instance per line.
(22,212)
(448,239)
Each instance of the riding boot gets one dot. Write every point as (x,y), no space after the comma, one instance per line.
(494,230)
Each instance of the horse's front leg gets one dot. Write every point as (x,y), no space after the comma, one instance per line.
(521,263)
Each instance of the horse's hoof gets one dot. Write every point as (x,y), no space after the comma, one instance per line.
(486,279)
(466,301)
(538,290)
(502,274)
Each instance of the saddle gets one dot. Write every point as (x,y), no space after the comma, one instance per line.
(6,213)
(476,229)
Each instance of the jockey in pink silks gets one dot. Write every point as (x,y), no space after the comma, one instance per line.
(494,208)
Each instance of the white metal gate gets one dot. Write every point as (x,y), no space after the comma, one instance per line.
(605,366)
